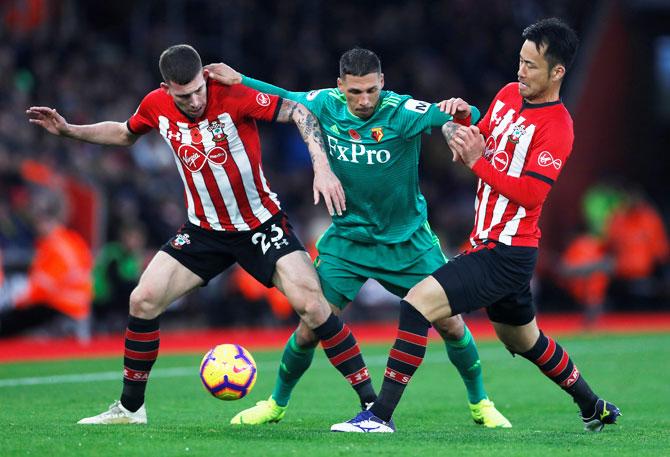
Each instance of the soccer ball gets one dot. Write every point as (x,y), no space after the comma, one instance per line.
(228,372)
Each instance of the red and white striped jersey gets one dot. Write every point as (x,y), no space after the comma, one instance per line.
(218,155)
(528,144)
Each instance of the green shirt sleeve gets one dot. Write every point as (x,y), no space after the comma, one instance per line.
(439,118)
(310,100)
(418,117)
(421,117)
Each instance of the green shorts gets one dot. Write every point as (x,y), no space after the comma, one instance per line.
(344,265)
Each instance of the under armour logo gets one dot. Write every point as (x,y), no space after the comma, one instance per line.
(281,243)
(173,135)
(545,159)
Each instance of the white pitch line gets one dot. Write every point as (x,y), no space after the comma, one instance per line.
(488,355)
(175,372)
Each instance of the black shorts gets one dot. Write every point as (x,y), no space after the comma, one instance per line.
(491,275)
(209,252)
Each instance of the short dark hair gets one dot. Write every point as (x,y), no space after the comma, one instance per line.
(180,64)
(359,62)
(560,40)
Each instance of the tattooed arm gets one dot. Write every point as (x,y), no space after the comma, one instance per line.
(325,181)
(448,130)
(466,143)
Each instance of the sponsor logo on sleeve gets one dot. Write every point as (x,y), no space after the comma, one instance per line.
(545,159)
(417,106)
(263,99)
(311,95)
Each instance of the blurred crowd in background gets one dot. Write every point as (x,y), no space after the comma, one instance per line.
(78,222)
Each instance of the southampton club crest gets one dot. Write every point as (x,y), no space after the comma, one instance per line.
(517,133)
(181,240)
(218,135)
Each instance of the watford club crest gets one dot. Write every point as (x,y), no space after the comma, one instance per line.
(218,134)
(517,133)
(377,134)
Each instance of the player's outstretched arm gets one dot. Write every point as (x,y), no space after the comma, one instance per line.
(448,130)
(223,73)
(465,142)
(450,114)
(226,75)
(325,181)
(107,133)
(457,107)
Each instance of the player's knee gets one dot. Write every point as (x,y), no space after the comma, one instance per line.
(414,296)
(315,311)
(305,338)
(143,303)
(450,328)
(515,345)
(310,299)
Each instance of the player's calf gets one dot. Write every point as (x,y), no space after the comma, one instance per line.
(343,352)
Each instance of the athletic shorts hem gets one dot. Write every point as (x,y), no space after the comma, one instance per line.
(188,265)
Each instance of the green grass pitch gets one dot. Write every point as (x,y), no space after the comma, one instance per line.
(41,402)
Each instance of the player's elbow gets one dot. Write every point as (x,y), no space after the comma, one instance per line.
(127,138)
(529,203)
(533,194)
(299,112)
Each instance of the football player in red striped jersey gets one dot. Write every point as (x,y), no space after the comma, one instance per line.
(517,151)
(233,216)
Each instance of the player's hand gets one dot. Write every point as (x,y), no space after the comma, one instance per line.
(468,144)
(457,107)
(327,184)
(47,118)
(448,130)
(222,73)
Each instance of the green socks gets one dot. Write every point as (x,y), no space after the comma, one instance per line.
(294,362)
(463,354)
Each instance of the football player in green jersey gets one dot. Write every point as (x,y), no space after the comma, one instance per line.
(373,137)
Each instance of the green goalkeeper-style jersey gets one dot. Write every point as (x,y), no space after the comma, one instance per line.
(376,159)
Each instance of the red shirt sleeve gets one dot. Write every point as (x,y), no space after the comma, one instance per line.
(465,122)
(143,121)
(547,156)
(254,104)
(550,150)
(524,191)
